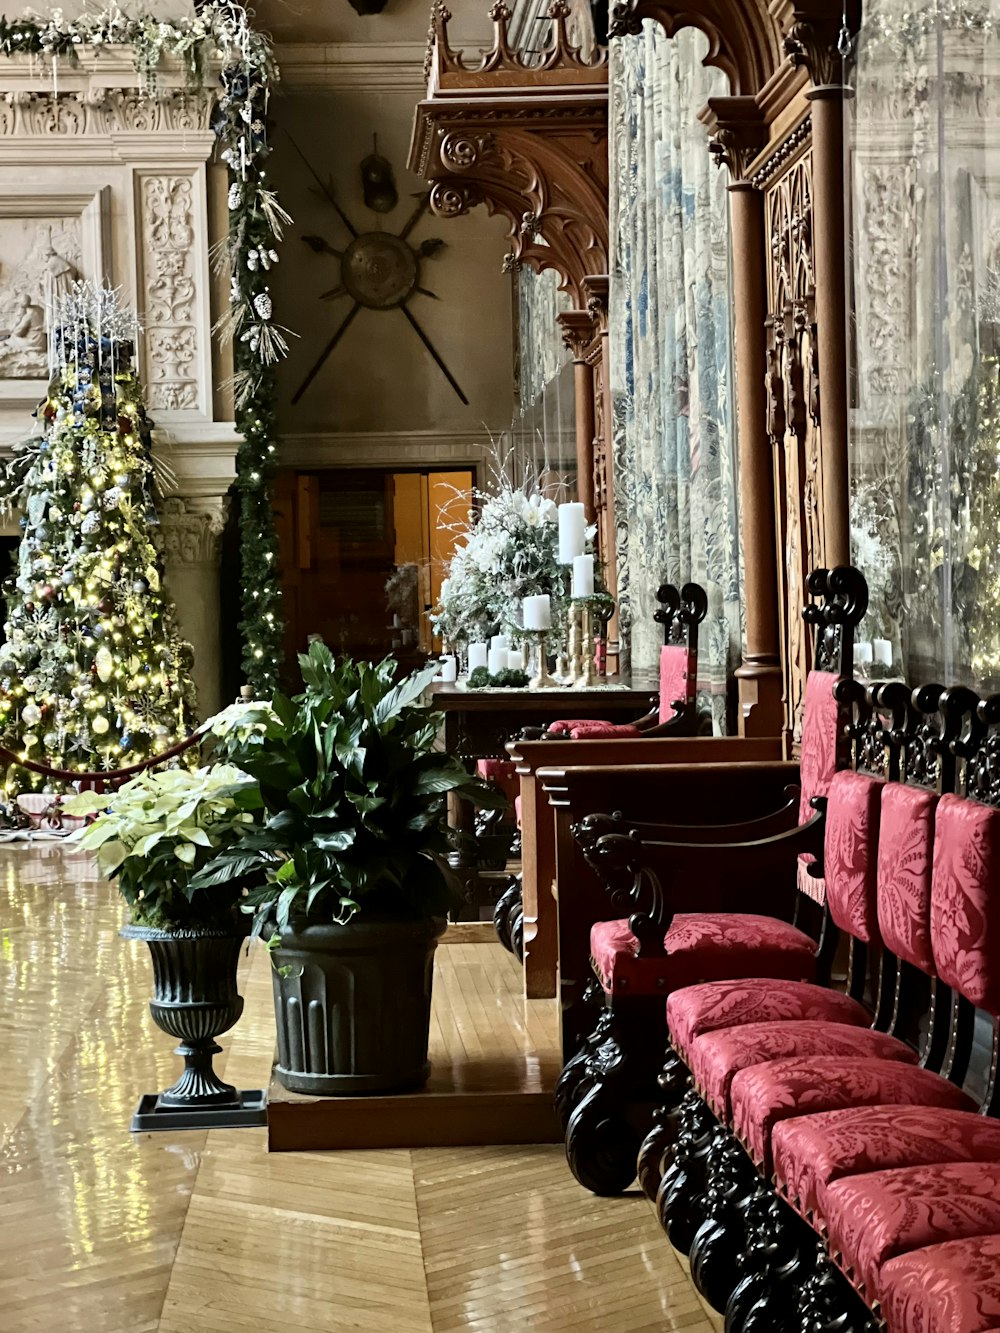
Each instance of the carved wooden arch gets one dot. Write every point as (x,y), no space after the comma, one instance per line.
(744,40)
(528,141)
(549,181)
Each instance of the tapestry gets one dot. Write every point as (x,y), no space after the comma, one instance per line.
(674,452)
(925,408)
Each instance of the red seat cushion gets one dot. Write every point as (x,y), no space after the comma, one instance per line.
(812,1152)
(850,853)
(873,1218)
(965,933)
(695,1010)
(718,1056)
(949,1288)
(905,852)
(596,730)
(767,1094)
(700,946)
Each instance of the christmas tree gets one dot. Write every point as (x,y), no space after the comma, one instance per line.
(93,673)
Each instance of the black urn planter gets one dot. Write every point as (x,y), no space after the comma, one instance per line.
(195,999)
(353,1005)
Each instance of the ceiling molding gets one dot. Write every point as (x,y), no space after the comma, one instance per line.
(331,67)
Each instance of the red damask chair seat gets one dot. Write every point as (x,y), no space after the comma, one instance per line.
(813,1152)
(700,946)
(765,1095)
(876,1217)
(949,1288)
(696,1010)
(718,1056)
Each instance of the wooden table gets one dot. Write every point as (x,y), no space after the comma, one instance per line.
(479,723)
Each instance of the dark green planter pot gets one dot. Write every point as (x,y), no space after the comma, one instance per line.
(195,999)
(353,1005)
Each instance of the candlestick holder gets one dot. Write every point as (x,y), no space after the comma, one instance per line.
(585,676)
(539,640)
(572,644)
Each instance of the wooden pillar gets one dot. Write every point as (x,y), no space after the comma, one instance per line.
(829,254)
(813,42)
(578,334)
(738,132)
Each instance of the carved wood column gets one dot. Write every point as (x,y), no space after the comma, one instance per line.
(578,335)
(738,134)
(812,43)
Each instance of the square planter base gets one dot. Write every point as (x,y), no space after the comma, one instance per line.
(150,1115)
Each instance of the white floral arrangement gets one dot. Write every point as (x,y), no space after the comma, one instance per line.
(506,551)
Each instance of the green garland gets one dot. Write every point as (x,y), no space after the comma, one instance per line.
(249,252)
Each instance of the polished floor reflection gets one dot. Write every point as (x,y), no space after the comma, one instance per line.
(105,1232)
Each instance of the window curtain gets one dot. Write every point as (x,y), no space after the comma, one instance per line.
(674,452)
(925,427)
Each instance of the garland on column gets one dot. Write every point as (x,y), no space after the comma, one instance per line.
(219,32)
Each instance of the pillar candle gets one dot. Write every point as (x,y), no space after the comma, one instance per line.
(515,659)
(449,669)
(883,652)
(572,530)
(497,659)
(863,653)
(583,576)
(477,655)
(538,612)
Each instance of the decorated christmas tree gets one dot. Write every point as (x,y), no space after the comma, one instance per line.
(93,673)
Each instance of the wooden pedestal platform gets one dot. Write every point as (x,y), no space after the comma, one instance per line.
(495,1058)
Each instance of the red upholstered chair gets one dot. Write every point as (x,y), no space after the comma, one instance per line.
(880,1157)
(640,959)
(949,1288)
(676,713)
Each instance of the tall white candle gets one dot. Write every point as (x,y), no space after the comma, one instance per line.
(583,576)
(883,652)
(572,532)
(538,612)
(497,659)
(449,669)
(477,655)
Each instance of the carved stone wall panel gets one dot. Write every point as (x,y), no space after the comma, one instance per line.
(170,211)
(794,414)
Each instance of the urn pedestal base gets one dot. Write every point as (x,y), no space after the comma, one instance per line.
(249,1108)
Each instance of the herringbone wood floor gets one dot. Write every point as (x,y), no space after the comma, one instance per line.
(101,1232)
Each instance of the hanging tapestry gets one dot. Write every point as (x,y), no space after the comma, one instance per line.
(925,424)
(674,452)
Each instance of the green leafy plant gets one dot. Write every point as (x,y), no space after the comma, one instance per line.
(157,832)
(353,788)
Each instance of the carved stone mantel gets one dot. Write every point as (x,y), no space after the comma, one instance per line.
(527,141)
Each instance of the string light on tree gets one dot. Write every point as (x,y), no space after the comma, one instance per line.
(93,674)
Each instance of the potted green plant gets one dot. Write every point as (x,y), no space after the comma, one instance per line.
(353,844)
(152,837)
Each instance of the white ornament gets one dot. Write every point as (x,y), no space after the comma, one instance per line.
(99,724)
(262,305)
(105,664)
(31,714)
